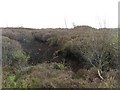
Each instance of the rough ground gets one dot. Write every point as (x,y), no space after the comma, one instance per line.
(39,52)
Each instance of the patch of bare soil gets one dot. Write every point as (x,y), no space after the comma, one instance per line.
(39,52)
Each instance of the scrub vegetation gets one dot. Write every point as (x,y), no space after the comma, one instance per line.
(80,57)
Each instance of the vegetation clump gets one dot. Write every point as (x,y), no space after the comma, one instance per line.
(82,57)
(13,54)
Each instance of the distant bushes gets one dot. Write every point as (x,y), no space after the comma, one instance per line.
(12,53)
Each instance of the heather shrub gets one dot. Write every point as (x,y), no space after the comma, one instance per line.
(41,36)
(21,57)
(95,50)
(52,38)
(19,35)
(12,53)
(46,76)
(99,48)
(25,36)
(110,81)
(82,73)
(52,41)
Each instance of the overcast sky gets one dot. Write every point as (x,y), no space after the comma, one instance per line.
(54,13)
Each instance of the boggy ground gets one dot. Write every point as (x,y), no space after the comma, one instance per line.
(59,58)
